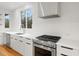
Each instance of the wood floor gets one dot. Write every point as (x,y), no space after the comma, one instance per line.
(6,51)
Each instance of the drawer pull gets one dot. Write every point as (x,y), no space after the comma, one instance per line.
(28,38)
(28,43)
(20,40)
(64,55)
(67,47)
(15,39)
(21,37)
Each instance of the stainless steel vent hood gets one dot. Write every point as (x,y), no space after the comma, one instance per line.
(48,9)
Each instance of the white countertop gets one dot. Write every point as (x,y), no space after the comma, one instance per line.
(70,43)
(32,35)
(10,32)
(67,42)
(64,41)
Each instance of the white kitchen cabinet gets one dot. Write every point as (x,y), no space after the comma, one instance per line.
(6,39)
(48,9)
(12,40)
(28,46)
(17,44)
(14,43)
(63,50)
(1,39)
(29,40)
(28,49)
(22,45)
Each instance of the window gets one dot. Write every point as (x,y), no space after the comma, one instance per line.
(26,18)
(7,18)
(29,18)
(23,19)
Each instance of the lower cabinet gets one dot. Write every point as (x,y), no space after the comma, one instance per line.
(20,45)
(17,45)
(1,38)
(12,45)
(6,39)
(28,49)
(63,50)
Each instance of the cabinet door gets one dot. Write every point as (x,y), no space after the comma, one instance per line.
(4,38)
(66,51)
(29,40)
(28,49)
(12,38)
(76,52)
(8,40)
(18,45)
(14,44)
(21,47)
(1,39)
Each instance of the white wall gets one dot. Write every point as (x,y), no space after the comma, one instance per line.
(2,20)
(67,25)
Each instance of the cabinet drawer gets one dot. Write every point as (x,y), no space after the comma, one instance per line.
(28,49)
(65,51)
(24,39)
(20,47)
(12,37)
(28,40)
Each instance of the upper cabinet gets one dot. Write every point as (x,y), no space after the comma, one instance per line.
(48,9)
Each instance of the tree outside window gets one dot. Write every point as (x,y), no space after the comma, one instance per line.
(26,18)
(7,18)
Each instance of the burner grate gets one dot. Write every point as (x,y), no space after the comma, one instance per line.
(49,38)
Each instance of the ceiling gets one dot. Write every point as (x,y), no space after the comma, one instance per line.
(11,5)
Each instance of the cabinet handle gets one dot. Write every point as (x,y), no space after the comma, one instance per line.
(67,47)
(64,55)
(28,38)
(21,36)
(28,43)
(20,40)
(15,39)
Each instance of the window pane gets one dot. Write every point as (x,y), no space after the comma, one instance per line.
(29,18)
(7,18)
(23,19)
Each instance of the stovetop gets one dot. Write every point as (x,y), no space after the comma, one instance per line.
(54,39)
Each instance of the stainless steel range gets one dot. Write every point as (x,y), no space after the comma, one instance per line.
(45,45)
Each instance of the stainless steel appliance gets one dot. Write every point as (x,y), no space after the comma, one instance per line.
(45,45)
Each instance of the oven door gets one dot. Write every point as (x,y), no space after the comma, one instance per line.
(40,50)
